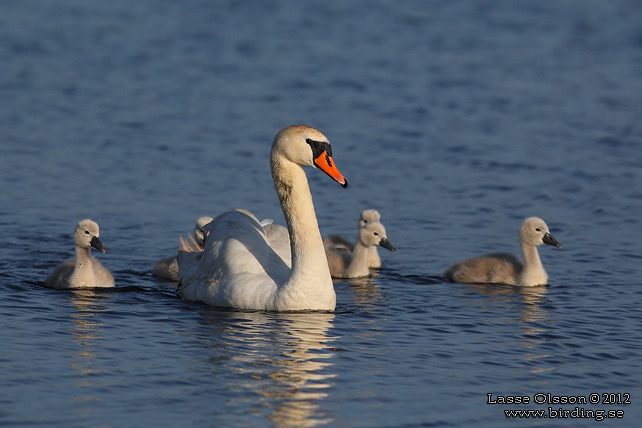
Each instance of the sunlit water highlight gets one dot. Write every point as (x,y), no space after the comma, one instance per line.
(455,120)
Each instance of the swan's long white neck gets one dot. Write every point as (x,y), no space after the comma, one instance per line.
(310,281)
(533,272)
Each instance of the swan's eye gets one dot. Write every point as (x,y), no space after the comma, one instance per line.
(376,234)
(318,147)
(87,232)
(538,229)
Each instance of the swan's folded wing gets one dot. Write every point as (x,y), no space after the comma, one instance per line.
(236,258)
(279,239)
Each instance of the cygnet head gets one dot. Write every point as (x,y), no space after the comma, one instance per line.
(305,146)
(374,234)
(534,231)
(199,233)
(369,216)
(87,235)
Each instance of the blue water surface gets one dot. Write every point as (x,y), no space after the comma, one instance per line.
(456,120)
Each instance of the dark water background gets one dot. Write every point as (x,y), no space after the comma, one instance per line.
(456,120)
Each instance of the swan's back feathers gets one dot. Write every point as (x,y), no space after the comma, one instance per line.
(237,252)
(497,268)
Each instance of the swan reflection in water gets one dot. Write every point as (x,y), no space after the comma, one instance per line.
(283,358)
(534,319)
(87,330)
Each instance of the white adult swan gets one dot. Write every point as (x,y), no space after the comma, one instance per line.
(502,268)
(82,270)
(338,242)
(168,268)
(239,267)
(344,264)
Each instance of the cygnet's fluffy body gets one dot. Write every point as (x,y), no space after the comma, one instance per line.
(503,268)
(168,268)
(344,264)
(82,270)
(338,242)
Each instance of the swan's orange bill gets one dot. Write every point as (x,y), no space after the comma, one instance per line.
(325,163)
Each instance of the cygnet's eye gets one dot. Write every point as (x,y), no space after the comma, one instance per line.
(87,232)
(538,229)
(376,234)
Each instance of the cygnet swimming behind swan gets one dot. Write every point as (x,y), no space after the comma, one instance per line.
(503,268)
(82,270)
(168,268)
(338,242)
(344,264)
